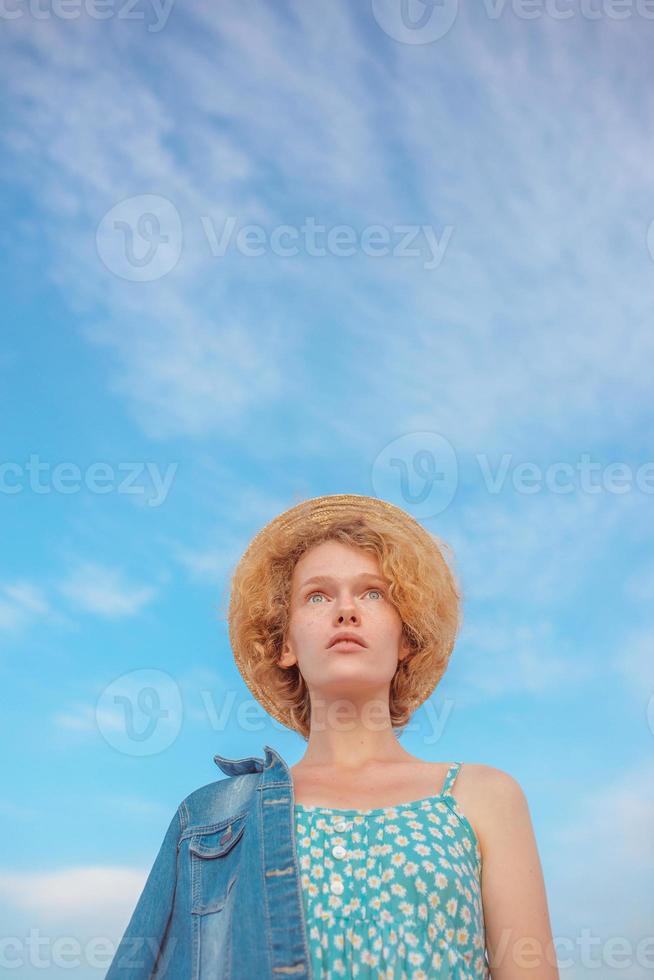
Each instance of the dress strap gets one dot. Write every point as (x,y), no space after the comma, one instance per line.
(450,776)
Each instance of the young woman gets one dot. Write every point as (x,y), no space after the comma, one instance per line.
(362,860)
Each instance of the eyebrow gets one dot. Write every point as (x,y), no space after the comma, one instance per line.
(328,580)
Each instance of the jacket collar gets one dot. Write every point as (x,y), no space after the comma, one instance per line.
(274,765)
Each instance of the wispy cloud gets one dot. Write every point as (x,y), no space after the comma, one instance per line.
(504,658)
(74,894)
(21,603)
(84,718)
(492,342)
(105,591)
(602,836)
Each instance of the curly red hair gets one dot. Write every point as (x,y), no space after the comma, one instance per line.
(422,587)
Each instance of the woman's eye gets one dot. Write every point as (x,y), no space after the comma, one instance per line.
(313,595)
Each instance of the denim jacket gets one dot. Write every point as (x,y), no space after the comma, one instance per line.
(223,899)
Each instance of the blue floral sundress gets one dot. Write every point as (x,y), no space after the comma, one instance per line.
(393,892)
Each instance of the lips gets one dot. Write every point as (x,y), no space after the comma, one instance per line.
(346,639)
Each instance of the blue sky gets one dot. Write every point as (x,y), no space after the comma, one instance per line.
(193,344)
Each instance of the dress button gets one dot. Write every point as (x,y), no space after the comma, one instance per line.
(337,887)
(339,851)
(340,826)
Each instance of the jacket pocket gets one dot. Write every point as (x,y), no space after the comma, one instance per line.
(215,858)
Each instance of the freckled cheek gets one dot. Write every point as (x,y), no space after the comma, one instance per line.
(309,628)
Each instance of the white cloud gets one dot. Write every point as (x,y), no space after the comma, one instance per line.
(87,719)
(68,916)
(502,658)
(503,553)
(105,591)
(604,862)
(21,603)
(516,329)
(75,895)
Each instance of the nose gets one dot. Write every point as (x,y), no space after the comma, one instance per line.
(347,613)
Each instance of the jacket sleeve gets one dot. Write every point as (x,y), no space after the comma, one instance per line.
(144,938)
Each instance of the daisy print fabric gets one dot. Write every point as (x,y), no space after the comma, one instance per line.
(393,892)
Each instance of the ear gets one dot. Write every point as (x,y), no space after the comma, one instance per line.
(288,658)
(405,648)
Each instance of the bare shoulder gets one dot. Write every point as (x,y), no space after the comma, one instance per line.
(490,780)
(491,798)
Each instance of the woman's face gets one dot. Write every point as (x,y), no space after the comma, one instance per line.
(336,589)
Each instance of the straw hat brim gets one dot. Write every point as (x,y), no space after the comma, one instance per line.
(318,512)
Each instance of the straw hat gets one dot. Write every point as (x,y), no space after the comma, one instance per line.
(322,512)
